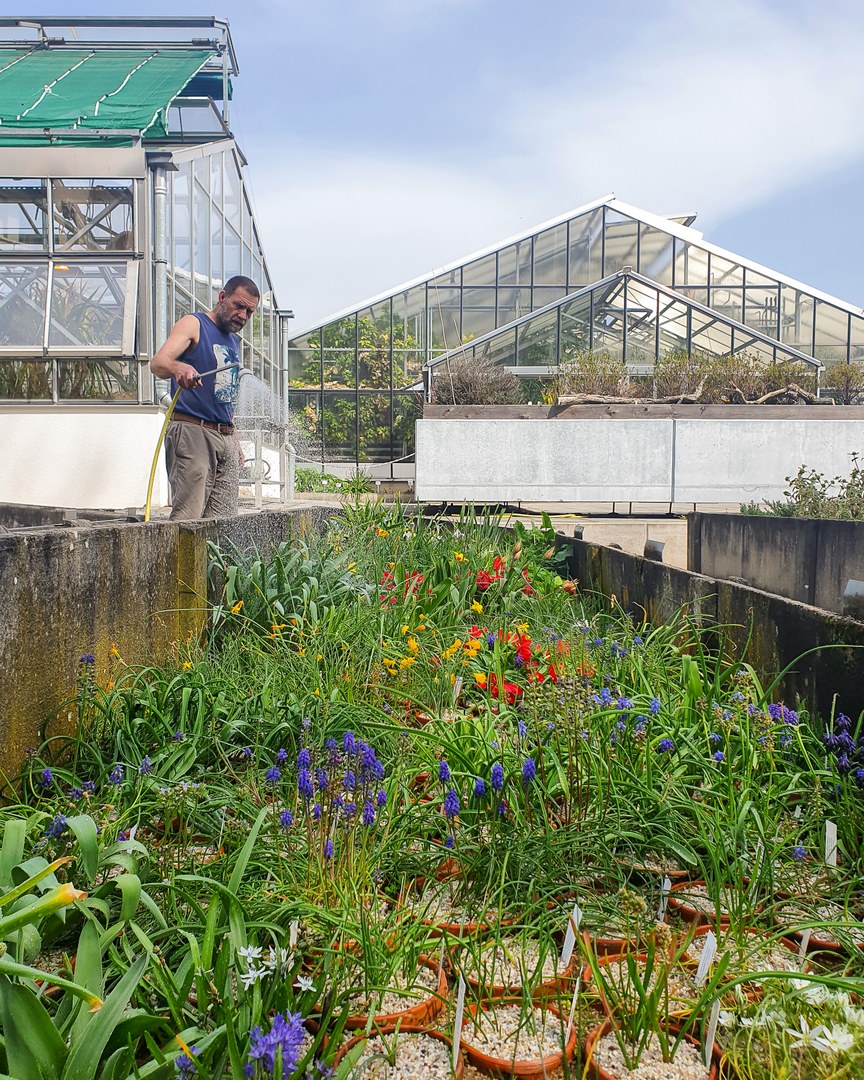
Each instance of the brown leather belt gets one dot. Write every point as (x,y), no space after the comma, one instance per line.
(223,429)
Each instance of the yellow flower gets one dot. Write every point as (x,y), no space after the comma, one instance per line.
(114,650)
(187,664)
(317,692)
(320,656)
(478,607)
(522,628)
(421,615)
(458,556)
(406,661)
(236,607)
(381,532)
(352,568)
(480,678)
(405,628)
(412,644)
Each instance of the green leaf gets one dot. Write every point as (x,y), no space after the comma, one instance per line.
(88,973)
(84,829)
(34,1048)
(22,971)
(12,850)
(85,1053)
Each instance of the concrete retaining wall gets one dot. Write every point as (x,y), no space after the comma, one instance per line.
(139,588)
(804,559)
(628,453)
(776,631)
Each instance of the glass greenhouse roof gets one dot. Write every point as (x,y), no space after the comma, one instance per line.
(81,91)
(628,316)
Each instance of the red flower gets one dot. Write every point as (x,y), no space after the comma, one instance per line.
(511,690)
(475,632)
(484,580)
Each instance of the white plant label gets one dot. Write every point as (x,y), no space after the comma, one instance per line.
(573,921)
(457,1023)
(457,687)
(709,950)
(710,1034)
(805,942)
(757,862)
(293,934)
(664,897)
(831,842)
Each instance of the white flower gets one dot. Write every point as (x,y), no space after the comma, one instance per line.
(727,1019)
(834,1040)
(854,1016)
(805,1036)
(250,953)
(304,983)
(250,977)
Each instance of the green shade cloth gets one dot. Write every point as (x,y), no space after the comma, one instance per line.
(85,89)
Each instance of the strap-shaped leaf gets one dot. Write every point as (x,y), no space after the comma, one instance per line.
(84,829)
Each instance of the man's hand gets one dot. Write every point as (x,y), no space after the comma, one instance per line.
(187,377)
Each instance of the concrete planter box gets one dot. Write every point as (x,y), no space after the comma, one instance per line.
(629,453)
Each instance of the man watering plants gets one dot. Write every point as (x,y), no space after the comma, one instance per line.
(201,356)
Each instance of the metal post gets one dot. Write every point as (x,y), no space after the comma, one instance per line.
(259,458)
(160,163)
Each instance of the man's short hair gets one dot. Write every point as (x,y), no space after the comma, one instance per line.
(239,282)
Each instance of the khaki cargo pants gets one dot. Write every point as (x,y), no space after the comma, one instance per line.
(203,471)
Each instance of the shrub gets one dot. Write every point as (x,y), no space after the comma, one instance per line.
(594,372)
(476,380)
(812,495)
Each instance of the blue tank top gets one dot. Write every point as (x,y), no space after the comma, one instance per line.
(215,398)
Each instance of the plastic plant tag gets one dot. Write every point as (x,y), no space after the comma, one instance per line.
(709,950)
(805,942)
(457,687)
(710,1034)
(573,921)
(831,842)
(293,934)
(664,897)
(457,1023)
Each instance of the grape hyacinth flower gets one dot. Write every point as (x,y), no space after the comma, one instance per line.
(349,809)
(178,736)
(89,785)
(349,744)
(273,775)
(321,779)
(381,799)
(88,658)
(283,1042)
(304,784)
(146,766)
(246,753)
(718,755)
(46,778)
(654,707)
(479,788)
(529,771)
(799,853)
(304,759)
(496,777)
(286,819)
(443,771)
(368,814)
(115,777)
(350,780)
(451,804)
(328,849)
(184,1064)
(714,737)
(281,755)
(316,811)
(57,826)
(665,746)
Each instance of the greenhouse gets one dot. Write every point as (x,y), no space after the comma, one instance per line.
(123,205)
(357,382)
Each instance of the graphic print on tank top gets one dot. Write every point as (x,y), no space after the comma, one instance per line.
(227,381)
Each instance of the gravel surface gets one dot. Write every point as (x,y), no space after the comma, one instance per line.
(752,955)
(791,914)
(698,898)
(688,1064)
(416,1056)
(510,962)
(510,1032)
(439,903)
(406,992)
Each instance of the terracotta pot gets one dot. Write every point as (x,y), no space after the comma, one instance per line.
(407,1029)
(532,1069)
(454,929)
(678,902)
(816,943)
(418,1015)
(544,989)
(597,1033)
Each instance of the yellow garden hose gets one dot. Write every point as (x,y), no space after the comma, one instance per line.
(161,439)
(159,442)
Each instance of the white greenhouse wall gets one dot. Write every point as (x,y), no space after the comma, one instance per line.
(89,458)
(661,460)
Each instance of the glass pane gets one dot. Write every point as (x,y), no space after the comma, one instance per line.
(643,303)
(724,272)
(760,310)
(407,367)
(373,346)
(586,247)
(201,247)
(97,380)
(216,272)
(548,295)
(480,272)
(233,253)
(407,409)
(375,442)
(304,367)
(339,368)
(512,305)
(23,215)
(655,254)
(725,300)
(448,280)
(709,335)
(444,319)
(514,264)
(304,425)
(25,380)
(691,264)
(673,326)
(340,427)
(233,194)
(182,304)
(796,319)
(93,215)
(538,342)
(832,332)
(409,317)
(699,296)
(622,237)
(575,328)
(500,349)
(181,217)
(550,256)
(341,334)
(22,304)
(478,312)
(856,337)
(87,305)
(216,179)
(201,169)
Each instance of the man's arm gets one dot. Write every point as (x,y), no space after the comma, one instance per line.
(166,364)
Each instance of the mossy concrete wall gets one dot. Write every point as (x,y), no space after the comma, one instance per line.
(824,651)
(131,590)
(805,559)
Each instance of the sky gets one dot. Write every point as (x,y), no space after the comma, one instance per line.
(387,138)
